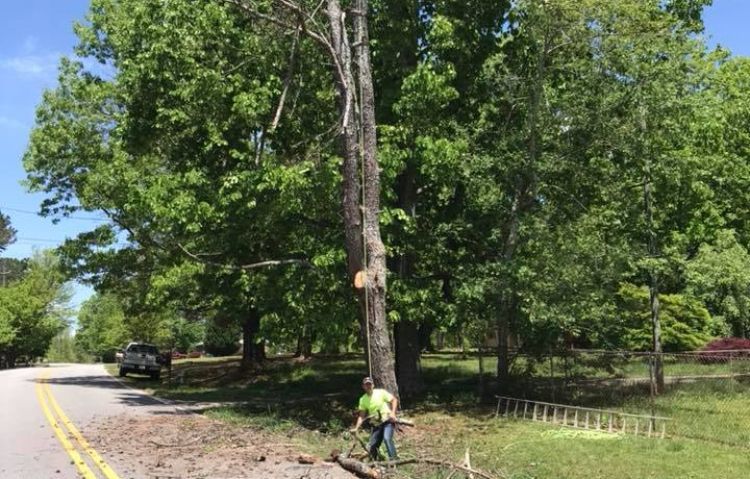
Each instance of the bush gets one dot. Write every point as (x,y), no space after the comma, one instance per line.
(221,339)
(686,324)
(721,350)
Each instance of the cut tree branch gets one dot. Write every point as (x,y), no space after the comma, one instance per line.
(260,264)
(372,470)
(436,462)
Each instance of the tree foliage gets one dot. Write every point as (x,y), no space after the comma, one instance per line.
(33,310)
(101,327)
(539,165)
(7,232)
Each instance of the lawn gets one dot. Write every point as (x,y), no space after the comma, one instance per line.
(311,402)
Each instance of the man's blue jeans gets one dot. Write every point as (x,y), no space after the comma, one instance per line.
(382,433)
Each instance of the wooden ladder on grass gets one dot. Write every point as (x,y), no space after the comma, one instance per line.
(577,417)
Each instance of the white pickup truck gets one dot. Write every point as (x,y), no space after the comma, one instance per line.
(141,358)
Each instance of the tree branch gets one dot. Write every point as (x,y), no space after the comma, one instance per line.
(281,262)
(260,264)
(303,18)
(287,82)
(245,7)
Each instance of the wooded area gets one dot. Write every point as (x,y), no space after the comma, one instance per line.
(530,174)
(34,302)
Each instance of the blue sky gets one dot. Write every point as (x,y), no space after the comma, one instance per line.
(33,36)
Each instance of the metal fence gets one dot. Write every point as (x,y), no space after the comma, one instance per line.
(704,395)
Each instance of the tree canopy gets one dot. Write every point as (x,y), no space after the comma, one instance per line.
(33,309)
(538,168)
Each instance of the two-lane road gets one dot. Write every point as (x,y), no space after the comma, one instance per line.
(44,415)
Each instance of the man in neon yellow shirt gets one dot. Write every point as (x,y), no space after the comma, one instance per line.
(379,407)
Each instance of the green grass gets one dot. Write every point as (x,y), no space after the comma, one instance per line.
(311,404)
(521,449)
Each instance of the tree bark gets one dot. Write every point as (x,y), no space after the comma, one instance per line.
(365,249)
(480,357)
(503,354)
(425,337)
(406,331)
(657,374)
(440,341)
(304,343)
(506,312)
(11,359)
(408,364)
(251,353)
(523,201)
(359,468)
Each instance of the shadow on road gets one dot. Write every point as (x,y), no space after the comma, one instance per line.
(86,381)
(126,396)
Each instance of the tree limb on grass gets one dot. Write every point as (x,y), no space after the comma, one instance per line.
(436,462)
(372,470)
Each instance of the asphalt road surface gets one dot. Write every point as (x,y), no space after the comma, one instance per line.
(44,415)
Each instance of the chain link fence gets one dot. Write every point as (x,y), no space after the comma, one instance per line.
(706,395)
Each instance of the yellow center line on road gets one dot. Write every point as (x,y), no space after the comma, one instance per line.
(108,472)
(83,469)
(98,460)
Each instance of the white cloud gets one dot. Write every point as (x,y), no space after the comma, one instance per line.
(31,65)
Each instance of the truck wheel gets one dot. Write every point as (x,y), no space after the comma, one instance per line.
(155,376)
(123,372)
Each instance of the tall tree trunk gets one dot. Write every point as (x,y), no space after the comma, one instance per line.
(250,328)
(355,142)
(406,331)
(304,343)
(480,357)
(259,351)
(408,364)
(440,341)
(503,354)
(404,62)
(11,360)
(503,323)
(657,374)
(523,201)
(425,337)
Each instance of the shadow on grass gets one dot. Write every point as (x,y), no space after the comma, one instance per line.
(320,394)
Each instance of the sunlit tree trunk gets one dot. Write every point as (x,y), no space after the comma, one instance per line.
(365,249)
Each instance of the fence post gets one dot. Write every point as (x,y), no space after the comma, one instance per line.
(652,375)
(552,375)
(731,370)
(565,376)
(481,372)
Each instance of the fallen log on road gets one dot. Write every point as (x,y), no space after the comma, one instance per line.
(359,468)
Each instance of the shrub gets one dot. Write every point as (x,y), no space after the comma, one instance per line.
(686,324)
(221,339)
(721,350)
